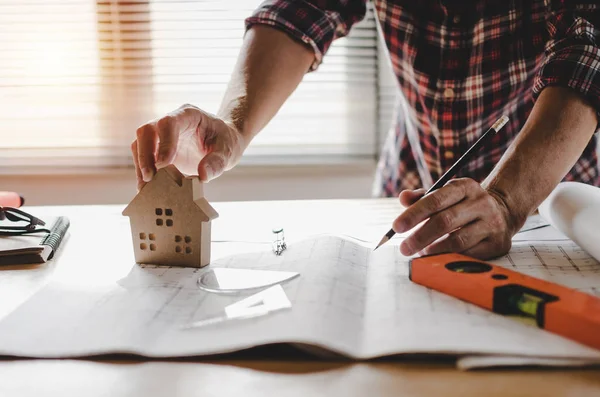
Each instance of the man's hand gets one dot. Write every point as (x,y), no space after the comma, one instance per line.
(195,141)
(467,218)
(270,66)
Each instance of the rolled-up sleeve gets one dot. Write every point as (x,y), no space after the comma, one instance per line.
(314,22)
(573,50)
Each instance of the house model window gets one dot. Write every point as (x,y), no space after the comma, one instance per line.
(167,219)
(184,244)
(171,221)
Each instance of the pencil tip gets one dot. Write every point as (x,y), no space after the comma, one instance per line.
(383,240)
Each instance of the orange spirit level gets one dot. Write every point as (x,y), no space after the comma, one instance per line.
(561,310)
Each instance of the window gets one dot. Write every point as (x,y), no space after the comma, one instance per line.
(159,221)
(187,248)
(79,76)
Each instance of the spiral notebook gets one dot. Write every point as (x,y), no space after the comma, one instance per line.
(34,248)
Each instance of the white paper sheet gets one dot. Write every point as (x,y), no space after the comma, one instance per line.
(574,209)
(347,299)
(534,222)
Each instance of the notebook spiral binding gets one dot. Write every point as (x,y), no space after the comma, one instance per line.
(55,237)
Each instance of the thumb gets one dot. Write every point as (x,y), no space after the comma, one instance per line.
(409,197)
(211,166)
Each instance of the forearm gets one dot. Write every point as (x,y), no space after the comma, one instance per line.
(557,131)
(269,68)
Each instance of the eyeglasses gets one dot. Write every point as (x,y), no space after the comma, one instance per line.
(16,215)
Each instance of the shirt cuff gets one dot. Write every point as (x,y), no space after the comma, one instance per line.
(574,64)
(301,20)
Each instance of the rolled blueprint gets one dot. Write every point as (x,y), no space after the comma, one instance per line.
(574,209)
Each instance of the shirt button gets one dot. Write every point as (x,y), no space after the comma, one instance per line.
(448,154)
(456,19)
(448,93)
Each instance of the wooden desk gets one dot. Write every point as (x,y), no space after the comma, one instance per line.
(262,372)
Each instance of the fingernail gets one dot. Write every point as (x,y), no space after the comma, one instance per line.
(406,249)
(398,227)
(147,174)
(210,173)
(161,159)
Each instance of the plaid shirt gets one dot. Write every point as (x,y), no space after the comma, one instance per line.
(460,65)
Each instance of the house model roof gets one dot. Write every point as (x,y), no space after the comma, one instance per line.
(167,179)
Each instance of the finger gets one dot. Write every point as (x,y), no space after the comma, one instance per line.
(442,223)
(185,119)
(488,249)
(460,240)
(138,171)
(168,133)
(211,166)
(409,197)
(430,204)
(146,145)
(206,132)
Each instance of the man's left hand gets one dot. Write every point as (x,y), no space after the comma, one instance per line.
(468,218)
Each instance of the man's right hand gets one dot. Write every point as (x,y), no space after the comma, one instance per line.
(196,142)
(270,66)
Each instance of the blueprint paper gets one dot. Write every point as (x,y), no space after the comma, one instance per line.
(347,299)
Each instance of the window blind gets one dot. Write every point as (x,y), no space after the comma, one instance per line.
(77,77)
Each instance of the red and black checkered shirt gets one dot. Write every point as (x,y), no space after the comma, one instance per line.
(460,65)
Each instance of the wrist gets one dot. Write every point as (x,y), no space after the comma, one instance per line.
(240,139)
(515,211)
(234,115)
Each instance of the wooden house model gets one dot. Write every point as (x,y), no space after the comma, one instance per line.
(170,221)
